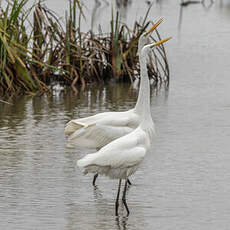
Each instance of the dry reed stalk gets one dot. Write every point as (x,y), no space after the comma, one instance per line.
(68,54)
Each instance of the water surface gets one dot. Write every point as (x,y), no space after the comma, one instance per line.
(184,182)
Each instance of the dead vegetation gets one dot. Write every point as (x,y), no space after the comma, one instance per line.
(53,51)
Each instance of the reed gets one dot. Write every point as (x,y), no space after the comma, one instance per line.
(29,61)
(13,49)
(16,58)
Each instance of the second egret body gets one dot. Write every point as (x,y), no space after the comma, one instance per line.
(121,158)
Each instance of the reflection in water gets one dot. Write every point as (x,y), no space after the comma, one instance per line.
(122,223)
(189,2)
(123,7)
(101,204)
(180,19)
(98,207)
(110,97)
(122,3)
(38,178)
(224,6)
(99,6)
(207,4)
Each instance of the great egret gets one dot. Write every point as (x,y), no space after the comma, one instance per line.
(120,158)
(98,130)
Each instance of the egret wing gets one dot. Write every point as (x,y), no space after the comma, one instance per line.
(96,135)
(106,118)
(98,131)
(125,151)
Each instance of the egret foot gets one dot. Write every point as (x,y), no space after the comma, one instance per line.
(124,197)
(117,200)
(129,182)
(94,179)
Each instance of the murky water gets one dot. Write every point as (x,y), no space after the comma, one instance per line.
(184,182)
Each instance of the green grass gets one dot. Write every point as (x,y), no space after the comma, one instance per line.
(30,60)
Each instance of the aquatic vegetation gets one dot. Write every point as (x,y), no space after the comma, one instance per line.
(49,50)
(13,49)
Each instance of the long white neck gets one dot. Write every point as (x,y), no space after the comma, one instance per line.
(143,101)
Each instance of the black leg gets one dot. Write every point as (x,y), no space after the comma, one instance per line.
(117,200)
(94,179)
(129,182)
(124,197)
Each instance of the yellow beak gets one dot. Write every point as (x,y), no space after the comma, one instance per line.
(161,42)
(154,26)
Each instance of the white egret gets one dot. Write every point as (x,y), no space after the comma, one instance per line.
(120,158)
(98,130)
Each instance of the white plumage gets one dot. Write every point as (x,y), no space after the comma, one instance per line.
(129,150)
(99,130)
(121,158)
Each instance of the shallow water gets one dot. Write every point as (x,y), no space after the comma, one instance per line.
(184,182)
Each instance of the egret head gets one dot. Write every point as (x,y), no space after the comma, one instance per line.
(144,38)
(147,48)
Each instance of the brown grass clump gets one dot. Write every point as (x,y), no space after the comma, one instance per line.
(52,51)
